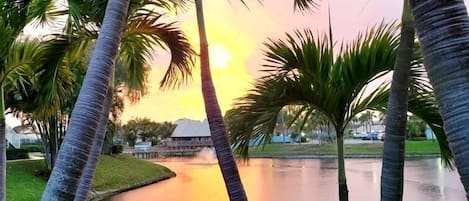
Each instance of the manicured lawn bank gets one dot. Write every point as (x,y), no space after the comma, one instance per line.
(112,172)
(412,148)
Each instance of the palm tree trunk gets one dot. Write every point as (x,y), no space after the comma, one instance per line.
(54,141)
(3,147)
(443,31)
(219,136)
(85,117)
(392,173)
(343,190)
(87,177)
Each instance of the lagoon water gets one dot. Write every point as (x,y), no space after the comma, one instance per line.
(298,180)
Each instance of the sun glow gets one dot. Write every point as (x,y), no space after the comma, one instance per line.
(220,57)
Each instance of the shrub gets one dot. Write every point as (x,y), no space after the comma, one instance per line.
(14,154)
(117,149)
(303,139)
(32,148)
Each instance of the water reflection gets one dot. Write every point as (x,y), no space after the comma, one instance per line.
(299,180)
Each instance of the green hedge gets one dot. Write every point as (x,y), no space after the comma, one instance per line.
(14,154)
(32,148)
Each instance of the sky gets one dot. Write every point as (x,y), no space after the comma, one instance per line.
(236,35)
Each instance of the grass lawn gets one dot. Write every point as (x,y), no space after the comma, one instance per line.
(112,172)
(412,147)
(22,184)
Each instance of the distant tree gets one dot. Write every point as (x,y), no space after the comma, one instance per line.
(415,127)
(147,130)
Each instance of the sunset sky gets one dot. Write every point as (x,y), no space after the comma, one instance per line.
(236,36)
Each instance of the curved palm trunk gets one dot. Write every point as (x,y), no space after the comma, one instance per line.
(3,147)
(343,190)
(392,172)
(76,146)
(219,136)
(443,30)
(87,176)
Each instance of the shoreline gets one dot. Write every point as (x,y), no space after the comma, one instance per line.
(102,195)
(332,156)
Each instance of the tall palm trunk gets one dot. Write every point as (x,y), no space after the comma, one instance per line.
(392,173)
(85,117)
(343,190)
(3,147)
(219,136)
(87,176)
(443,31)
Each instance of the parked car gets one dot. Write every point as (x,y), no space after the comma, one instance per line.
(381,136)
(359,135)
(371,136)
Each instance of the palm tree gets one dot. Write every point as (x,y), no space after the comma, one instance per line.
(59,76)
(392,173)
(223,150)
(443,31)
(16,57)
(12,68)
(307,74)
(87,175)
(142,33)
(85,117)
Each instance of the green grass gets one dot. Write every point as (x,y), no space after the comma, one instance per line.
(412,147)
(112,172)
(22,184)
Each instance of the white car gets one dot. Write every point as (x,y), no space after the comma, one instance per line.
(359,135)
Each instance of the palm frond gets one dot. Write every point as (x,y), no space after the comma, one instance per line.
(150,32)
(42,11)
(19,62)
(424,106)
(304,5)
(54,78)
(367,58)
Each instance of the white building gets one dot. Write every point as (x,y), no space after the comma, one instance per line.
(21,137)
(190,134)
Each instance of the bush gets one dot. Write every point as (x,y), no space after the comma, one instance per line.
(303,139)
(117,149)
(14,154)
(32,148)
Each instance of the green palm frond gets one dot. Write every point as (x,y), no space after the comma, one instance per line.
(91,12)
(424,106)
(367,58)
(150,32)
(54,78)
(42,11)
(19,62)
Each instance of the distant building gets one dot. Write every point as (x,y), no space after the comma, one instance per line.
(20,135)
(190,134)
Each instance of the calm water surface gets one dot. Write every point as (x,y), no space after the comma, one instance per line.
(299,180)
